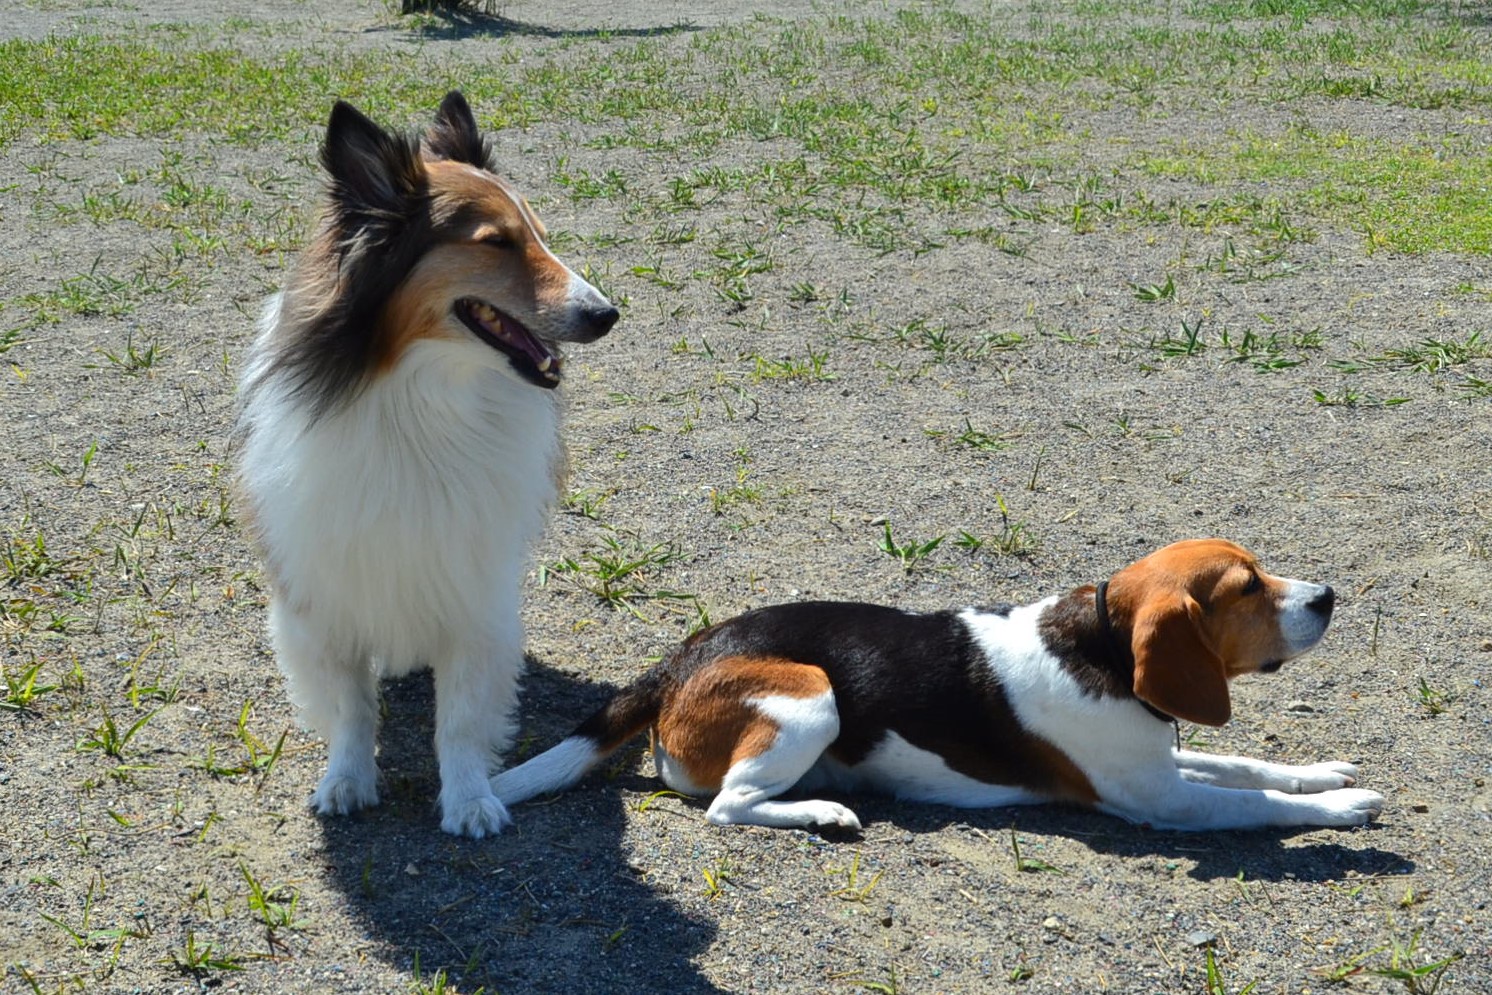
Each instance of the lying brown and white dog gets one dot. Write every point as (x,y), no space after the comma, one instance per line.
(1068,699)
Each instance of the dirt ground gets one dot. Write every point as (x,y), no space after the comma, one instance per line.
(752,451)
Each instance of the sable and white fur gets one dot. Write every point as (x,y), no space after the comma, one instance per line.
(400,447)
(1068,699)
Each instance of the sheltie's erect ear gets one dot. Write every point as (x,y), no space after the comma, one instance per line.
(455,135)
(377,177)
(376,227)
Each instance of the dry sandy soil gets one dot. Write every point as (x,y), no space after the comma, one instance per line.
(755,449)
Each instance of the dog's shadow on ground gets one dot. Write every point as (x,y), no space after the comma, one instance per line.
(550,905)
(1257,854)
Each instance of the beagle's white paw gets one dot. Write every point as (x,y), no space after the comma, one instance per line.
(1349,806)
(822,813)
(1327,776)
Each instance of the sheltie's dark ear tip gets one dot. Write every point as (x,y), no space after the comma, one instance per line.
(370,167)
(349,126)
(345,115)
(455,134)
(453,107)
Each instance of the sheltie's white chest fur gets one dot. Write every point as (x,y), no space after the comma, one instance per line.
(402,522)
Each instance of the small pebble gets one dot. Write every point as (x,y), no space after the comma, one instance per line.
(1299,706)
(1201,938)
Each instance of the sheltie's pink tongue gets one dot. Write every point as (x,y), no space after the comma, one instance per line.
(523,348)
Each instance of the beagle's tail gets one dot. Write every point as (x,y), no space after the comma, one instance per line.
(630,711)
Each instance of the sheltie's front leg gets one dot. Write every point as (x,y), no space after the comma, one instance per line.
(338,697)
(475,693)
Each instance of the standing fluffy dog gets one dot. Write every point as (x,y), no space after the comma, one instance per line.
(401,447)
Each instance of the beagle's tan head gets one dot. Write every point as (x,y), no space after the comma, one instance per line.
(1201,612)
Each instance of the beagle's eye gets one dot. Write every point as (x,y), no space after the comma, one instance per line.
(1254,585)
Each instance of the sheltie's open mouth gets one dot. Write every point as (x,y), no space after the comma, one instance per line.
(528,354)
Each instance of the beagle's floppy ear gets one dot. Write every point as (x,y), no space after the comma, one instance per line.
(1174,669)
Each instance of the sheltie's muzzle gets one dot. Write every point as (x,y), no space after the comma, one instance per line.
(536,361)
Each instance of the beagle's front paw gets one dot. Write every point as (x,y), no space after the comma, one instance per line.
(1349,806)
(1328,776)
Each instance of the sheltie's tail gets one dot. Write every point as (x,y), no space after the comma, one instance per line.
(630,711)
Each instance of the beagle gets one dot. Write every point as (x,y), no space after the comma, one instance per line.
(1068,699)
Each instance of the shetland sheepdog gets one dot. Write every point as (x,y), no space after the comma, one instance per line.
(400,447)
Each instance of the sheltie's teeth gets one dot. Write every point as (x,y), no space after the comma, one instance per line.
(545,364)
(487,313)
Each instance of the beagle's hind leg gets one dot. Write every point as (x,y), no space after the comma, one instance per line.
(747,729)
(805,728)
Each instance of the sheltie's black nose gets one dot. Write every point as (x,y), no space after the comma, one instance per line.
(1321,603)
(598,320)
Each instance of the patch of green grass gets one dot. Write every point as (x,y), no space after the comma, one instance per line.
(275,905)
(1476,387)
(1013,539)
(620,573)
(1188,343)
(587,503)
(1212,977)
(201,959)
(582,185)
(1433,355)
(1269,352)
(971,437)
(259,757)
(891,985)
(1432,699)
(854,888)
(717,877)
(863,124)
(1152,292)
(84,935)
(1025,864)
(742,492)
(812,368)
(434,984)
(912,554)
(22,688)
(1407,195)
(1351,397)
(108,738)
(1406,965)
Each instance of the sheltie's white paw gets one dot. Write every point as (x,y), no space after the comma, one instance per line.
(474,817)
(340,794)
